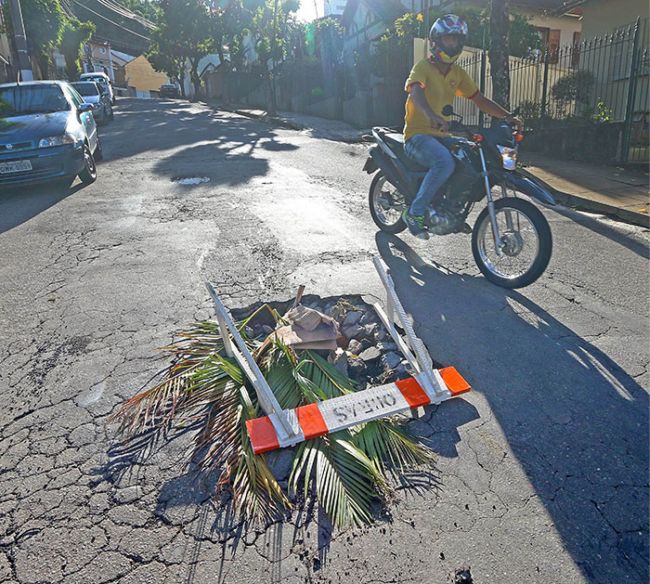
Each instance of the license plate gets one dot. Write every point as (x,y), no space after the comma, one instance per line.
(18,166)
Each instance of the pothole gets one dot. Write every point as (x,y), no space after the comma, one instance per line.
(190,180)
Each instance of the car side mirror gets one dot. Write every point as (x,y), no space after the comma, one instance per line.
(85,107)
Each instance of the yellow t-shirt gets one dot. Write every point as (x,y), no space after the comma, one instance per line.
(439,90)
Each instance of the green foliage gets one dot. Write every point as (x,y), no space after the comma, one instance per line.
(576,87)
(267,24)
(187,31)
(44,21)
(601,114)
(529,110)
(75,34)
(344,473)
(149,9)
(523,36)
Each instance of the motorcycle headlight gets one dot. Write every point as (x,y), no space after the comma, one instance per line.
(508,157)
(57,141)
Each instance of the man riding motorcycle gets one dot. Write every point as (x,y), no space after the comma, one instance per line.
(432,84)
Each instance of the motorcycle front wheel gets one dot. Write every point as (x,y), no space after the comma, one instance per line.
(386,205)
(527,243)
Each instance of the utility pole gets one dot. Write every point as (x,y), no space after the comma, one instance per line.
(20,41)
(274,41)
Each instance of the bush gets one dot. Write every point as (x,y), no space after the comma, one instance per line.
(576,86)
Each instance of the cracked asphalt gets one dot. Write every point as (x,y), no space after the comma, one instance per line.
(541,472)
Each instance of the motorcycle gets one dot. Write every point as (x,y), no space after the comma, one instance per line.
(511,239)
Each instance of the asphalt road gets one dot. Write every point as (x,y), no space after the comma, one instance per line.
(542,471)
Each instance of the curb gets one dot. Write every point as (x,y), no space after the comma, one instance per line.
(284,123)
(584,204)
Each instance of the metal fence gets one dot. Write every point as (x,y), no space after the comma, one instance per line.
(603,81)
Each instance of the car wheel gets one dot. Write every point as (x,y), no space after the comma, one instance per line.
(89,173)
(98,155)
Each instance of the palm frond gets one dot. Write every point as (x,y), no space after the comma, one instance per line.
(381,439)
(344,479)
(206,393)
(255,490)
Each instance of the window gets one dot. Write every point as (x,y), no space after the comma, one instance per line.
(32,99)
(550,41)
(77,100)
(575,50)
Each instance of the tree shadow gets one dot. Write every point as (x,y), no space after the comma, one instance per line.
(576,422)
(159,125)
(21,203)
(601,228)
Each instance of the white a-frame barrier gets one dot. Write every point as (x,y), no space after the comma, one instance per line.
(280,428)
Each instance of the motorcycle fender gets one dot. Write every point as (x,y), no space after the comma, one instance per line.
(370,166)
(531,186)
(387,167)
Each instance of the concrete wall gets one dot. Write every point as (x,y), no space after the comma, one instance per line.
(602,17)
(141,75)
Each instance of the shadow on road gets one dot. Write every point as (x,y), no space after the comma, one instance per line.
(576,422)
(20,204)
(606,230)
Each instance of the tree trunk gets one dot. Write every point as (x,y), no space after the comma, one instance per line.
(181,78)
(196,80)
(43,65)
(498,53)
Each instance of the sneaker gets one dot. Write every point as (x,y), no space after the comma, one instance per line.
(416,224)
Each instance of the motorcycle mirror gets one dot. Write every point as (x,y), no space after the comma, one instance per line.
(448,110)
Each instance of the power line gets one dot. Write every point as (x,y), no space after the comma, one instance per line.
(111,21)
(121,10)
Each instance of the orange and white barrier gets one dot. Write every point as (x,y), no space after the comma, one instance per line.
(342,412)
(281,428)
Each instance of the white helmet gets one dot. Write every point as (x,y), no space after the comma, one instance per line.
(449,24)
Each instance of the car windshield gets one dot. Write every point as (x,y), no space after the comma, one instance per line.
(96,79)
(86,89)
(32,99)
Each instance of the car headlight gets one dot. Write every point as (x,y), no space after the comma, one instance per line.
(508,157)
(58,141)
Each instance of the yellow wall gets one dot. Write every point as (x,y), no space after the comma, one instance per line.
(141,75)
(601,17)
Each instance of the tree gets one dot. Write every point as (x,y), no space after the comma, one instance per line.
(498,53)
(272,24)
(75,34)
(44,21)
(165,55)
(149,9)
(186,32)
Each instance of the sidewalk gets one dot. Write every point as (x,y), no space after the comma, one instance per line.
(314,126)
(619,192)
(608,190)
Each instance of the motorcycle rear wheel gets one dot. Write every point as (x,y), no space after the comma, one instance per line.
(386,205)
(527,241)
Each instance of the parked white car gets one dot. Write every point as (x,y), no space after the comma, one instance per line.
(92,92)
(99,77)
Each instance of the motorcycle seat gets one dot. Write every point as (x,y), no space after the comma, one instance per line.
(395,142)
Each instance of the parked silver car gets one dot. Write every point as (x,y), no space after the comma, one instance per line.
(92,92)
(102,79)
(47,133)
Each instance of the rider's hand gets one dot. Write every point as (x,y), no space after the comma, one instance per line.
(516,122)
(439,123)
